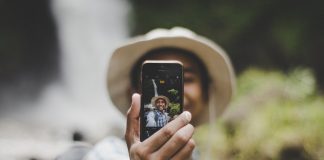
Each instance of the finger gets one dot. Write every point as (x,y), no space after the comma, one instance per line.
(186,151)
(178,141)
(132,128)
(163,135)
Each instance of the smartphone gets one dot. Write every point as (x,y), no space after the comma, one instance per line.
(161,95)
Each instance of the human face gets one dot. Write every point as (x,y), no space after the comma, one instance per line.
(193,94)
(160,104)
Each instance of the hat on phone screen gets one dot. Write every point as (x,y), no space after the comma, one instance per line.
(218,65)
(166,99)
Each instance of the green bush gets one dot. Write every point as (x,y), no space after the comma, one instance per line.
(274,116)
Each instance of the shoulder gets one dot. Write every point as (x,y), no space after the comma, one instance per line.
(76,152)
(109,148)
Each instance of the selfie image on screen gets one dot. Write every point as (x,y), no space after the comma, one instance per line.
(162,97)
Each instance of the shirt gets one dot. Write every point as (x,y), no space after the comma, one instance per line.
(156,119)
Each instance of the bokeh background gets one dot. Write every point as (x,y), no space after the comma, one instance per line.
(54,54)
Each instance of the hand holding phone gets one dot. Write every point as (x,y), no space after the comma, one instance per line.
(173,141)
(162,95)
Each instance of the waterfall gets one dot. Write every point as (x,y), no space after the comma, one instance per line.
(78,103)
(155,88)
(88,31)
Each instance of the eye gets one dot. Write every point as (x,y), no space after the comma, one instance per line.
(188,79)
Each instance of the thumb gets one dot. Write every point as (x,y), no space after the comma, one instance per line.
(132,128)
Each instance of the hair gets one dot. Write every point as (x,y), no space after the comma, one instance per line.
(136,71)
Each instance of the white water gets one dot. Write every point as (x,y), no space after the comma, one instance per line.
(88,31)
(155,88)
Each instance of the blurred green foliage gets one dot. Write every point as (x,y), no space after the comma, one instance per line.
(173,92)
(274,116)
(277,34)
(174,96)
(174,109)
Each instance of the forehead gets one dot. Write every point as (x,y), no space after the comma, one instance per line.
(187,60)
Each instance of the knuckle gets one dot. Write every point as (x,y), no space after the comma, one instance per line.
(161,157)
(179,138)
(128,112)
(142,153)
(191,144)
(147,157)
(167,132)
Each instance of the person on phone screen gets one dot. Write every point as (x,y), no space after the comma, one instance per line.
(209,83)
(158,116)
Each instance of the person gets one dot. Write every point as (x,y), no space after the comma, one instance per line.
(209,84)
(158,116)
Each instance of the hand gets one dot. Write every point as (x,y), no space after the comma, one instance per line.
(173,141)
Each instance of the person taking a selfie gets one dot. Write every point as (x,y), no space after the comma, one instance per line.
(209,84)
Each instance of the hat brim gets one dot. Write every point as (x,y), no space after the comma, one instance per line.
(217,63)
(160,97)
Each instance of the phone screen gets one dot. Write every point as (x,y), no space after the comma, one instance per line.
(162,95)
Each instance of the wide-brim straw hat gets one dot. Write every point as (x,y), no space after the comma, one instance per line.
(217,63)
(166,99)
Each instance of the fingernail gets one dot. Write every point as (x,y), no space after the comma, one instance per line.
(187,115)
(133,96)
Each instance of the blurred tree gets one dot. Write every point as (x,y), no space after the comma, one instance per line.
(269,34)
(28,43)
